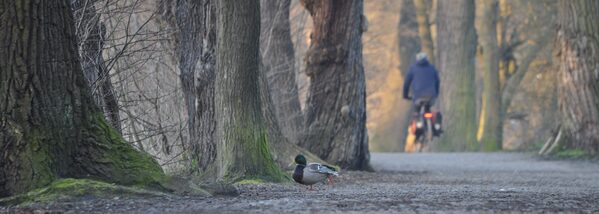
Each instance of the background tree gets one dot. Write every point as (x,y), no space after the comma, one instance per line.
(241,130)
(384,65)
(491,120)
(277,71)
(91,34)
(409,42)
(456,48)
(336,106)
(279,61)
(144,70)
(51,127)
(578,92)
(424,28)
(196,22)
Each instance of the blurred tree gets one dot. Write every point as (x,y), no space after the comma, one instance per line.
(578,91)
(196,22)
(456,49)
(509,42)
(409,44)
(281,148)
(336,106)
(279,59)
(91,34)
(490,117)
(241,132)
(385,108)
(51,127)
(424,28)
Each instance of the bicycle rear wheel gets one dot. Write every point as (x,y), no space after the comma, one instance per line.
(428,135)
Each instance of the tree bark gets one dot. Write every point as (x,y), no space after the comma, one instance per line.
(241,130)
(50,126)
(336,106)
(578,91)
(279,61)
(490,119)
(424,29)
(456,49)
(91,32)
(196,21)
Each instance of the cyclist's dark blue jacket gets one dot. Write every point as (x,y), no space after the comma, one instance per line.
(423,79)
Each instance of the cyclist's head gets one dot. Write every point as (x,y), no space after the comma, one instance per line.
(421,56)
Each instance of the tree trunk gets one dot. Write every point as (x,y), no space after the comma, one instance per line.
(409,44)
(578,91)
(279,59)
(277,72)
(50,126)
(456,49)
(241,130)
(282,149)
(196,21)
(195,50)
(336,106)
(91,32)
(424,29)
(490,119)
(513,83)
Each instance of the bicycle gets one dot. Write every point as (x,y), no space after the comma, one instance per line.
(425,124)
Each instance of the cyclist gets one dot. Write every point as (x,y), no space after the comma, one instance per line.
(424,81)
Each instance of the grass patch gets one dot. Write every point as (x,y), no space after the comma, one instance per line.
(571,154)
(70,189)
(250,181)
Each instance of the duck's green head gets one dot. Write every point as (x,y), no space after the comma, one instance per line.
(300,159)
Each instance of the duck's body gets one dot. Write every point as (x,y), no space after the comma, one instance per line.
(312,173)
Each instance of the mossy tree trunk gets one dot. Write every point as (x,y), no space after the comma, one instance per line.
(491,120)
(196,22)
(278,58)
(196,52)
(578,91)
(456,49)
(241,130)
(336,105)
(50,126)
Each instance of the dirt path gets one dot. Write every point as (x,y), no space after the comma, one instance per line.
(460,182)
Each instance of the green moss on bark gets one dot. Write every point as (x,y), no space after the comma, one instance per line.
(253,160)
(38,154)
(127,165)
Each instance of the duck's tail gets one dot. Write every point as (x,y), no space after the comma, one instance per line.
(331,170)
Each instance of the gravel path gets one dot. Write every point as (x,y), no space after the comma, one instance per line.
(437,182)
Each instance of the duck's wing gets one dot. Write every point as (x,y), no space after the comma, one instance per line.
(321,169)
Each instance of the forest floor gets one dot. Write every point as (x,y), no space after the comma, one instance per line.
(437,182)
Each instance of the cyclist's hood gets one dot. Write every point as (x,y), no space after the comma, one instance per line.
(422,62)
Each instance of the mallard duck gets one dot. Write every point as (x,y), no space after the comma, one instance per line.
(309,174)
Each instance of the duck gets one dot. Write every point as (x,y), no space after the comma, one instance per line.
(312,173)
